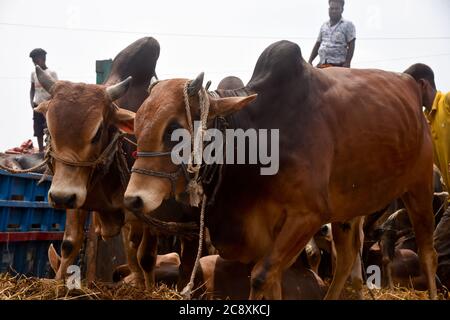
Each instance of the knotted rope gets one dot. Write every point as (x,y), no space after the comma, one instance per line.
(195,187)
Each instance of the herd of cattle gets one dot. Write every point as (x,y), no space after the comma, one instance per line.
(355,187)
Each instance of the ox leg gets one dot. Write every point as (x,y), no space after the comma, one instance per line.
(189,250)
(147,253)
(188,255)
(132,237)
(356,274)
(72,241)
(347,240)
(313,254)
(419,206)
(386,263)
(388,269)
(295,233)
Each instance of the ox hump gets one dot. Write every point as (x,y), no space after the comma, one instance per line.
(280,62)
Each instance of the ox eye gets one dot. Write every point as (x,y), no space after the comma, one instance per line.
(169,130)
(98,135)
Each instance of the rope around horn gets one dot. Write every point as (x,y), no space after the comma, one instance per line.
(195,188)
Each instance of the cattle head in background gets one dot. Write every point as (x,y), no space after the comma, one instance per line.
(161,113)
(229,83)
(82,122)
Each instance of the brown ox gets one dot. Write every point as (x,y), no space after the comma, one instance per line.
(349,140)
(82,121)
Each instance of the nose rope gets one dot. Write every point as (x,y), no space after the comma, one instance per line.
(102,159)
(172,176)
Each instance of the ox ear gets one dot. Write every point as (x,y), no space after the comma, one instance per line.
(54,258)
(124,120)
(43,107)
(227,106)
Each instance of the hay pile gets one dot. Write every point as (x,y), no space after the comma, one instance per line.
(25,288)
(387,294)
(21,287)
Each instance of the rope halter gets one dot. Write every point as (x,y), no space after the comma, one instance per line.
(191,171)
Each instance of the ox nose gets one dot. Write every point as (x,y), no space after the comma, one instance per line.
(134,203)
(63,200)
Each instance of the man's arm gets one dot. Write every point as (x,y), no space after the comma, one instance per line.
(32,95)
(314,52)
(350,52)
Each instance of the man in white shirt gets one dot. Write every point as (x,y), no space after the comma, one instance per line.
(38,95)
(336,41)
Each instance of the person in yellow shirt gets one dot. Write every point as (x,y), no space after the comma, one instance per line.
(437,111)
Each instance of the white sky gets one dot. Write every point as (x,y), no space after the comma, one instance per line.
(221,38)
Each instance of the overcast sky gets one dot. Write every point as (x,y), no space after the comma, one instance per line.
(221,38)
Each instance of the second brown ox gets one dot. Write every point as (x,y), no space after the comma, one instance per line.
(83,121)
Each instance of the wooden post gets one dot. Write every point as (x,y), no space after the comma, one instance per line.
(103,256)
(91,252)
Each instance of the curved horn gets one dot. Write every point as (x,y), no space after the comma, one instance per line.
(196,84)
(116,91)
(153,81)
(45,80)
(208,84)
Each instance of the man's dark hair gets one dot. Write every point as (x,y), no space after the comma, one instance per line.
(341,2)
(421,71)
(38,52)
